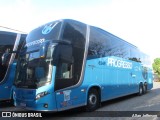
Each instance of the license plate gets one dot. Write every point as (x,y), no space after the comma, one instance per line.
(23,104)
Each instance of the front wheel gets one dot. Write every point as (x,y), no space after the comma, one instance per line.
(93,100)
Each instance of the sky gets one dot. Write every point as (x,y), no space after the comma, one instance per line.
(136,21)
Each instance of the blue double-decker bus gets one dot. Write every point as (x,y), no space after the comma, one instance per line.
(9,41)
(66,64)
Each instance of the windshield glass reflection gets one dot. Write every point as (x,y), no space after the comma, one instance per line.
(34,68)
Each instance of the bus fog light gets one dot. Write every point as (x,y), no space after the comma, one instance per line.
(45,105)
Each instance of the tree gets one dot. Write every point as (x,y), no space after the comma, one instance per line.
(156,66)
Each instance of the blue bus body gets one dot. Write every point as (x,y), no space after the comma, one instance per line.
(115,80)
(67,64)
(11,41)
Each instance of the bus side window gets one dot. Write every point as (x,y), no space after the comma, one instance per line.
(64,75)
(64,71)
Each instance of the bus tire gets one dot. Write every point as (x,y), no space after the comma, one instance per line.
(93,100)
(140,90)
(145,88)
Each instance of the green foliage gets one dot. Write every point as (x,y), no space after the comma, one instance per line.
(156,66)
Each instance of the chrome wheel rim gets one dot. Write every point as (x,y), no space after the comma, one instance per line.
(92,99)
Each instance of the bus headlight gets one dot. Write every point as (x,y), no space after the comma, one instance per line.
(42,94)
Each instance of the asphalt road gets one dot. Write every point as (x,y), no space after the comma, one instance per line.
(133,105)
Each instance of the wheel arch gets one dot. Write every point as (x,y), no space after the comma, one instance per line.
(97,87)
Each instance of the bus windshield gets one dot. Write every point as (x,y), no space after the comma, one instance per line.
(34,68)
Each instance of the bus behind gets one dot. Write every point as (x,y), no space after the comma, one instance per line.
(9,42)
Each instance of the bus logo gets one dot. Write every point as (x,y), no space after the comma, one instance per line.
(113,62)
(48,28)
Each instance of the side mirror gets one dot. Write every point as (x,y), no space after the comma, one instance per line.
(43,49)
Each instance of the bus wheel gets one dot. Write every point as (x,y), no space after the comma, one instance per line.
(145,88)
(92,100)
(140,90)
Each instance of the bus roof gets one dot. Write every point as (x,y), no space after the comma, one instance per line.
(105,32)
(7,29)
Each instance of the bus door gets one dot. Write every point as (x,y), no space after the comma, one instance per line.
(64,79)
(66,98)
